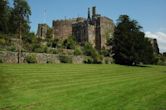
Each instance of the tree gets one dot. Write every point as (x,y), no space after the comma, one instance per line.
(4,16)
(130,47)
(69,43)
(93,54)
(20,14)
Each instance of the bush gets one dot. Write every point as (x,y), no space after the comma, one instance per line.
(40,49)
(31,58)
(97,59)
(88,49)
(161,60)
(2,41)
(77,51)
(49,62)
(105,52)
(69,43)
(88,60)
(94,56)
(13,49)
(56,43)
(65,59)
(1,61)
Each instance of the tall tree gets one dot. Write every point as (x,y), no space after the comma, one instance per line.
(4,16)
(130,47)
(20,14)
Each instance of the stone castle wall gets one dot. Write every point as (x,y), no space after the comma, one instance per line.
(94,29)
(106,30)
(154,45)
(63,28)
(42,30)
(79,31)
(91,34)
(42,58)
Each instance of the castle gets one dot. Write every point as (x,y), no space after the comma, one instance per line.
(95,29)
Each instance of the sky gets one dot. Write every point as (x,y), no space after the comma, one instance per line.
(150,14)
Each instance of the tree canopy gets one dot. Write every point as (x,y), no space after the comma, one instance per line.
(4,16)
(130,47)
(20,13)
(11,17)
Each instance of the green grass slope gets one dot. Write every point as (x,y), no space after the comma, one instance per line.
(82,87)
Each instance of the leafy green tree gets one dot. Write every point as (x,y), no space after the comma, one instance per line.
(20,14)
(130,47)
(88,50)
(4,16)
(69,43)
(78,51)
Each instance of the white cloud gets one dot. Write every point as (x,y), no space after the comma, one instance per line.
(161,39)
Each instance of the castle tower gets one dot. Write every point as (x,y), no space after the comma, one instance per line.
(89,17)
(42,30)
(93,11)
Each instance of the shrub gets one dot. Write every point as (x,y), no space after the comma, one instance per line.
(105,52)
(49,62)
(77,51)
(56,43)
(40,49)
(13,49)
(88,60)
(69,43)
(2,41)
(1,61)
(31,58)
(88,49)
(97,59)
(161,60)
(65,59)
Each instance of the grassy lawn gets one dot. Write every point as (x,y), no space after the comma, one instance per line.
(82,87)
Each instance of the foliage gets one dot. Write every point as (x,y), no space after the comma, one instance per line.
(12,48)
(88,50)
(49,62)
(51,51)
(40,48)
(65,59)
(129,44)
(161,59)
(1,61)
(31,58)
(4,16)
(2,41)
(105,52)
(88,60)
(20,14)
(29,38)
(77,51)
(69,43)
(56,43)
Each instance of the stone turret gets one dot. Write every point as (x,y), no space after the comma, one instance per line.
(93,11)
(63,28)
(89,15)
(42,30)
(154,45)
(95,30)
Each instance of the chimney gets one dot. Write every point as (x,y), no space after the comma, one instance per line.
(89,14)
(93,11)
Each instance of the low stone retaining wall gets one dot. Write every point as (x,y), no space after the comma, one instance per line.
(42,58)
